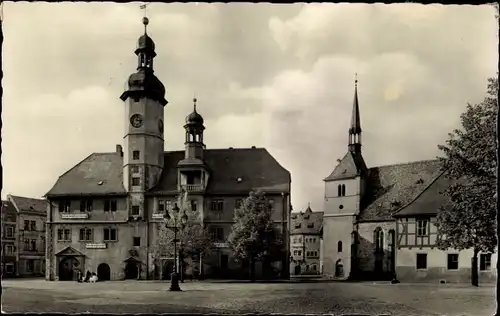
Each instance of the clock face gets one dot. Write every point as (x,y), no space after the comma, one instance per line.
(136,120)
(160,126)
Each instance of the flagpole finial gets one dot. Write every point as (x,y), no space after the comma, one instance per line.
(356,78)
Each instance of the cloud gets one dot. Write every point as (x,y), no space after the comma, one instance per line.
(281,77)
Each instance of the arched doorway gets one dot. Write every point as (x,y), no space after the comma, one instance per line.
(168,268)
(103,272)
(131,269)
(339,269)
(297,269)
(67,269)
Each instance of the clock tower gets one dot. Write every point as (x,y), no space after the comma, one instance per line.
(143,140)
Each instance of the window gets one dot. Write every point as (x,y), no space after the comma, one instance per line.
(421,261)
(137,241)
(9,268)
(339,246)
(85,234)
(86,205)
(453,261)
(168,205)
(379,239)
(339,190)
(422,227)
(300,239)
(315,268)
(343,189)
(136,181)
(295,252)
(33,225)
(135,209)
(63,235)
(9,250)
(33,245)
(9,233)
(193,205)
(136,155)
(30,265)
(217,233)
(64,206)
(300,252)
(110,234)
(134,169)
(26,225)
(26,245)
(310,225)
(485,262)
(161,206)
(217,205)
(114,205)
(107,205)
(297,225)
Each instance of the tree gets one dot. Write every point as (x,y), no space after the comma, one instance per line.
(193,239)
(467,221)
(253,237)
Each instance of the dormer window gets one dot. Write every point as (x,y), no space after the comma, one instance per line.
(298,225)
(310,225)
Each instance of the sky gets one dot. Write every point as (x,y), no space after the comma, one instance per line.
(273,76)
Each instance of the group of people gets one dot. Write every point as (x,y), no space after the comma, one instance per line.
(89,277)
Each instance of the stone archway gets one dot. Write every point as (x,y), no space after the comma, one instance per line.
(103,272)
(131,270)
(67,268)
(339,269)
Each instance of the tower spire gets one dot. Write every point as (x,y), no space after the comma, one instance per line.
(355,128)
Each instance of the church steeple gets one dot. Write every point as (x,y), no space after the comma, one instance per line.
(355,128)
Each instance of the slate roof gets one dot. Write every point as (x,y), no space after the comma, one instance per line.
(8,208)
(351,166)
(305,219)
(429,201)
(86,176)
(256,167)
(24,204)
(390,188)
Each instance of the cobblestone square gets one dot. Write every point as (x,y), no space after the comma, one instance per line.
(235,297)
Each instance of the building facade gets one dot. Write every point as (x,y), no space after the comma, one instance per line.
(385,216)
(105,211)
(9,240)
(305,242)
(23,236)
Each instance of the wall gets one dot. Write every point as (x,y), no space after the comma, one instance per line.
(337,229)
(366,249)
(349,202)
(406,260)
(114,255)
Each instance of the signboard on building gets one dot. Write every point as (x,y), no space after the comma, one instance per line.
(158,215)
(74,216)
(96,246)
(220,245)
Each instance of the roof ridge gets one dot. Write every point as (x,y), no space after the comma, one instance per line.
(25,197)
(422,192)
(405,163)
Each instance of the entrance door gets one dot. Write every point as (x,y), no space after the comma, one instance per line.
(297,270)
(339,269)
(131,270)
(103,272)
(66,269)
(379,264)
(224,262)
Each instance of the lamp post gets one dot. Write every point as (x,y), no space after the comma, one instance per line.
(174,277)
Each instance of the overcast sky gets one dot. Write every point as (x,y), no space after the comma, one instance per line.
(274,76)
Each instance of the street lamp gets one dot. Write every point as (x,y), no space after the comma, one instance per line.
(174,277)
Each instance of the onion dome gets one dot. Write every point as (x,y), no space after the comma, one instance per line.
(194,117)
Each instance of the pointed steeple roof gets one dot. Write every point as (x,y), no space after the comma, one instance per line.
(355,119)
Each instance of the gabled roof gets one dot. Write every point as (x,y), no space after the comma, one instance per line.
(256,167)
(310,222)
(69,251)
(8,208)
(429,201)
(351,166)
(24,204)
(99,174)
(390,188)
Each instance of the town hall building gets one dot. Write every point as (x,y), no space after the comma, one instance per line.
(103,213)
(380,222)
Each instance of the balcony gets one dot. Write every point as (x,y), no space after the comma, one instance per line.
(192,188)
(74,215)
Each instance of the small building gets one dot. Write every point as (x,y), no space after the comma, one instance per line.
(23,240)
(305,242)
(104,213)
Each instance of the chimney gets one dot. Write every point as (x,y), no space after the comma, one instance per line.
(119,150)
(253,147)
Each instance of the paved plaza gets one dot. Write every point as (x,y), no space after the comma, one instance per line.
(231,297)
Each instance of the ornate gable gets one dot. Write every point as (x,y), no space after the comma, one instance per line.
(69,251)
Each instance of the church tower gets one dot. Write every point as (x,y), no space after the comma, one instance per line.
(143,140)
(344,188)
